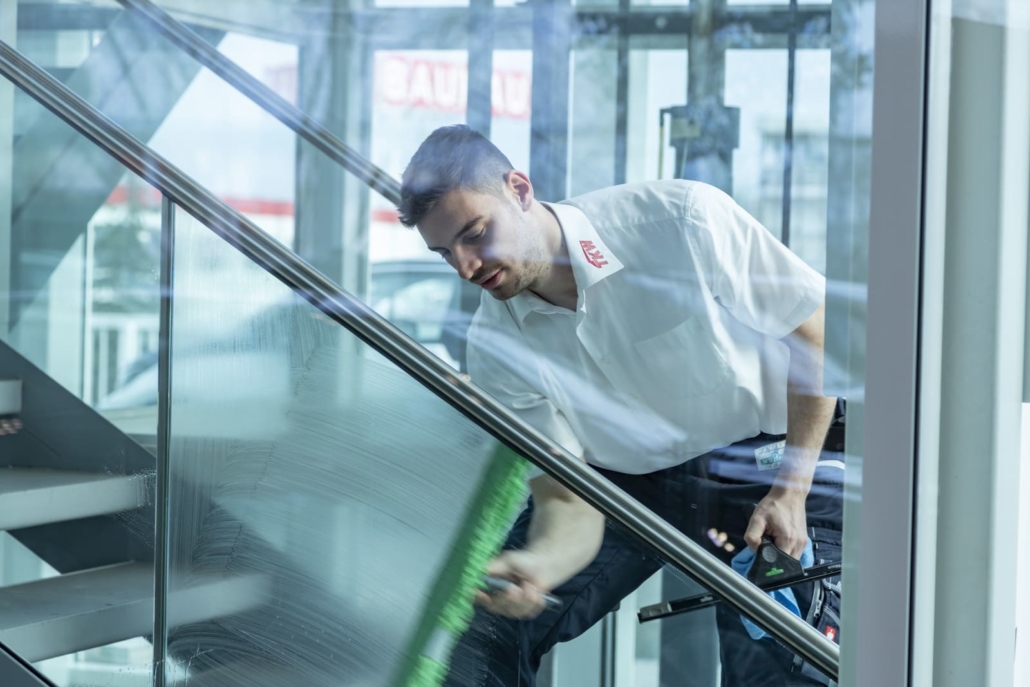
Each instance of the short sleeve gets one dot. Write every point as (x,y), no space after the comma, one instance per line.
(494,372)
(750,272)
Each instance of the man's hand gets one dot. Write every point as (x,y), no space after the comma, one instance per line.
(564,535)
(524,601)
(780,514)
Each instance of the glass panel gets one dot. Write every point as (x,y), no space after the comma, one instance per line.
(319,495)
(317,491)
(512,101)
(182,111)
(421,3)
(79,301)
(416,91)
(201,124)
(657,80)
(592,110)
(86,292)
(810,158)
(383,90)
(59,51)
(777,2)
(756,82)
(257,180)
(662,3)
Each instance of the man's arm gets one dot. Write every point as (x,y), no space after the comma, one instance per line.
(782,512)
(565,534)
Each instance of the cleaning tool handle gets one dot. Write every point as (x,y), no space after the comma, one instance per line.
(496,585)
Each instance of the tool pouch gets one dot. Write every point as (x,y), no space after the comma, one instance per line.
(822,599)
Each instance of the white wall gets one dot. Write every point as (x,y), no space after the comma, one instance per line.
(1022,673)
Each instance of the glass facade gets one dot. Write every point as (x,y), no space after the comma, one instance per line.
(672,255)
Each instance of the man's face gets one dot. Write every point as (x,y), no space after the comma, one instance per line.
(488,239)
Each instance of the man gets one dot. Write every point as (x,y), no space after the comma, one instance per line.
(661,334)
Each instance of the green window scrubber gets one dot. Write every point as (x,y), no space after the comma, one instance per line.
(449,610)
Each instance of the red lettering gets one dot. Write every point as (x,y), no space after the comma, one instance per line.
(421,88)
(593,254)
(445,87)
(441,85)
(394,74)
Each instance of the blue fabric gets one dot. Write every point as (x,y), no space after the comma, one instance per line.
(742,564)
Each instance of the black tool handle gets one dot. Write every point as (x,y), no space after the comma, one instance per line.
(668,609)
(771,563)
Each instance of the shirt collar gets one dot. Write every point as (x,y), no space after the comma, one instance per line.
(590,258)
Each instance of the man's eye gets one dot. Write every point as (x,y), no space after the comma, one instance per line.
(471,238)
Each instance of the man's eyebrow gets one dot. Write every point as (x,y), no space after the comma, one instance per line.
(464,230)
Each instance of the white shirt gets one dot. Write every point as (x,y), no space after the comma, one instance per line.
(674,348)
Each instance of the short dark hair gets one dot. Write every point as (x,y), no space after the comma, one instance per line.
(453,157)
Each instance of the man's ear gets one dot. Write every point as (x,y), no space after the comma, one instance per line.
(519,184)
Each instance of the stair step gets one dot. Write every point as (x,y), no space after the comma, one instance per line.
(274,676)
(30,496)
(82,610)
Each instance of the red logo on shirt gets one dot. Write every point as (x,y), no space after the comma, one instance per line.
(831,633)
(594,256)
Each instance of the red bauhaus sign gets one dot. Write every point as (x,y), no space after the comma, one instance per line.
(403,81)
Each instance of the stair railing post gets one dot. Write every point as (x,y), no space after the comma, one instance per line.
(161,487)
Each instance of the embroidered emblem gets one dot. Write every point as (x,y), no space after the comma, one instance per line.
(770,456)
(594,256)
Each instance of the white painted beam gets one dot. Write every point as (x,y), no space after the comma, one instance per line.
(30,497)
(82,610)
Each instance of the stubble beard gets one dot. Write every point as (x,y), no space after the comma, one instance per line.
(530,269)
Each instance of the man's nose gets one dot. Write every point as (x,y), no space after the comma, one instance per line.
(467,263)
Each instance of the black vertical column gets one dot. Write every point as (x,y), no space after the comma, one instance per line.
(334,88)
(788,129)
(480,65)
(553,25)
(321,84)
(708,156)
(622,93)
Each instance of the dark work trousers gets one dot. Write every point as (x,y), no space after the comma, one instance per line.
(709,493)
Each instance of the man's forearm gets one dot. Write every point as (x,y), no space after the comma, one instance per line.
(808,420)
(809,413)
(565,531)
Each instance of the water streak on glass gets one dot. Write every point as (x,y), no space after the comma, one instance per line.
(319,484)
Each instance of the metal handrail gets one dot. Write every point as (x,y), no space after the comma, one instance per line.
(425,367)
(267,99)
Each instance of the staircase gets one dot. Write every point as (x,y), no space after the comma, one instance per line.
(93,524)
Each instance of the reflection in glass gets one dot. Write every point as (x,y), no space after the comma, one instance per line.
(249,349)
(657,79)
(80,302)
(319,487)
